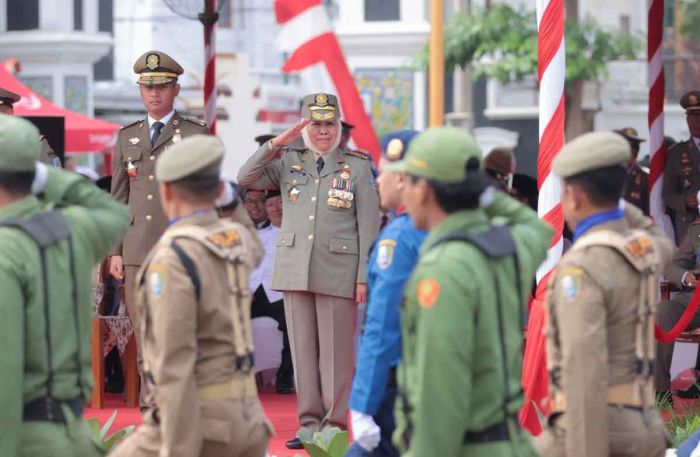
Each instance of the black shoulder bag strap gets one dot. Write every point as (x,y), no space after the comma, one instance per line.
(495,243)
(48,229)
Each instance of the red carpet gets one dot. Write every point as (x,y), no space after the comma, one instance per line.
(280,409)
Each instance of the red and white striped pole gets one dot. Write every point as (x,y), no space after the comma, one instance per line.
(551,75)
(657,93)
(209,18)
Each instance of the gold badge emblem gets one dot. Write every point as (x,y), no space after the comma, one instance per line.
(321,99)
(394,149)
(152,61)
(134,140)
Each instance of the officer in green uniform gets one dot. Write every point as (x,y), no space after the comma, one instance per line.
(49,243)
(459,379)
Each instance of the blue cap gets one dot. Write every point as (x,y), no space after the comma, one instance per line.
(395,144)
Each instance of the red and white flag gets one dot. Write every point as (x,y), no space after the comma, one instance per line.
(306,34)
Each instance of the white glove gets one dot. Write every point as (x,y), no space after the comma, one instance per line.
(366,432)
(41,176)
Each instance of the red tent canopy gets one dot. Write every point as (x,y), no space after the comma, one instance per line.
(83,133)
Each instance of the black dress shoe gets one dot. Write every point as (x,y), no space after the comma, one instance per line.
(294,444)
(692,392)
(284,389)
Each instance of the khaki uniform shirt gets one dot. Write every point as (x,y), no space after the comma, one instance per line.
(592,310)
(189,343)
(637,189)
(686,257)
(681,179)
(134,181)
(322,248)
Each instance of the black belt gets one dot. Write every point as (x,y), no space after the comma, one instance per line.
(45,409)
(498,432)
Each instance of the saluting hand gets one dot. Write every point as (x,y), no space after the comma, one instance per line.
(290,134)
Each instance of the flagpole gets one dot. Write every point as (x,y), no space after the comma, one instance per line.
(437,64)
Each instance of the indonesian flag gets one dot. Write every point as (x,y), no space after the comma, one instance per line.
(307,36)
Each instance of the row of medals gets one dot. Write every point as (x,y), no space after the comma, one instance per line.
(131,169)
(340,195)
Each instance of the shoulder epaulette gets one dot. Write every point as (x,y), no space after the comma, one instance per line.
(355,153)
(194,120)
(132,123)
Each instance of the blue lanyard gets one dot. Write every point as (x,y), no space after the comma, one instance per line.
(597,219)
(199,212)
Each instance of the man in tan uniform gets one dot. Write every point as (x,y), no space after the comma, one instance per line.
(138,145)
(330,220)
(637,189)
(194,306)
(46,153)
(600,336)
(682,172)
(684,272)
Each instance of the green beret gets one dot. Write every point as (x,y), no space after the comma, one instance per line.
(439,154)
(592,151)
(194,156)
(156,67)
(19,144)
(320,107)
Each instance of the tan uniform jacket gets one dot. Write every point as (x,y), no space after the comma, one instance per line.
(686,257)
(321,248)
(681,179)
(187,343)
(592,309)
(636,191)
(134,182)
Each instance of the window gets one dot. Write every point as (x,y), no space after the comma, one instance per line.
(75,91)
(226,14)
(105,16)
(382,10)
(104,68)
(625,24)
(22,15)
(77,14)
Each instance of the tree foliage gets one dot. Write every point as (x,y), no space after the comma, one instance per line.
(501,43)
(689,22)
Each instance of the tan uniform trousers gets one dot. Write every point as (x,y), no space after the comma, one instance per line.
(132,310)
(668,312)
(321,329)
(229,428)
(632,433)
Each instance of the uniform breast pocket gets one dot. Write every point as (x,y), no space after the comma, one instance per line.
(294,186)
(132,161)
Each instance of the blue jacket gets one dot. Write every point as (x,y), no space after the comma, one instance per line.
(393,256)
